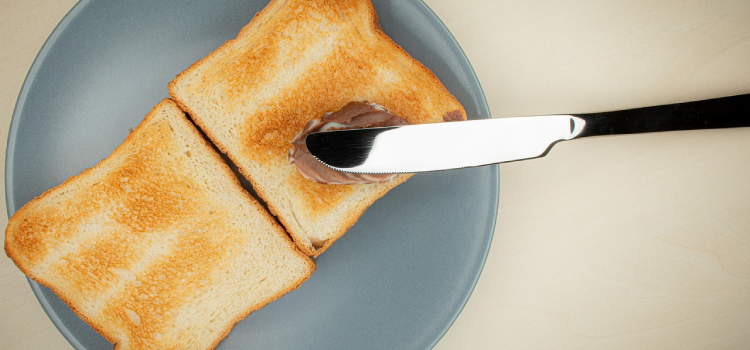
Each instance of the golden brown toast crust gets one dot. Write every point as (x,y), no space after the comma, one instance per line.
(295,61)
(142,238)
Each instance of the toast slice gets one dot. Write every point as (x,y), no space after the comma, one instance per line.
(157,246)
(295,61)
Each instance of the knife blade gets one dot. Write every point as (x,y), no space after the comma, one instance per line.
(461,144)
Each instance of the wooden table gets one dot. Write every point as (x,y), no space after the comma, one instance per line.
(637,242)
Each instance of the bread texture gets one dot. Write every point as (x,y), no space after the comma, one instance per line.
(295,61)
(158,246)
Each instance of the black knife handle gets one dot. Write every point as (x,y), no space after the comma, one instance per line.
(725,112)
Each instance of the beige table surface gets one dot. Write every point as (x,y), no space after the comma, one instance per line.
(637,242)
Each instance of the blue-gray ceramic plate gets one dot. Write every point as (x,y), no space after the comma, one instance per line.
(396,280)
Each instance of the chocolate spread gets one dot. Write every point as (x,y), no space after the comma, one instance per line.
(354,115)
(453,116)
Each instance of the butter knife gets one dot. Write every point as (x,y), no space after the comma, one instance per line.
(461,144)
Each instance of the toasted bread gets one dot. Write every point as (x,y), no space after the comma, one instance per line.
(295,61)
(157,246)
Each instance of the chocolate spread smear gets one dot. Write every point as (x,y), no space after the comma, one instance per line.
(354,115)
(453,116)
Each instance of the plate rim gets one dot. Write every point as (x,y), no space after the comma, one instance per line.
(495,169)
(10,204)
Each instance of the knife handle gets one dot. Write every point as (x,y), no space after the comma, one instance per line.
(725,112)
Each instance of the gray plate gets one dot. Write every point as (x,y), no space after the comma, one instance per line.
(396,280)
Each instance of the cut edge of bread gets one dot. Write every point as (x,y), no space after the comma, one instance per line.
(314,249)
